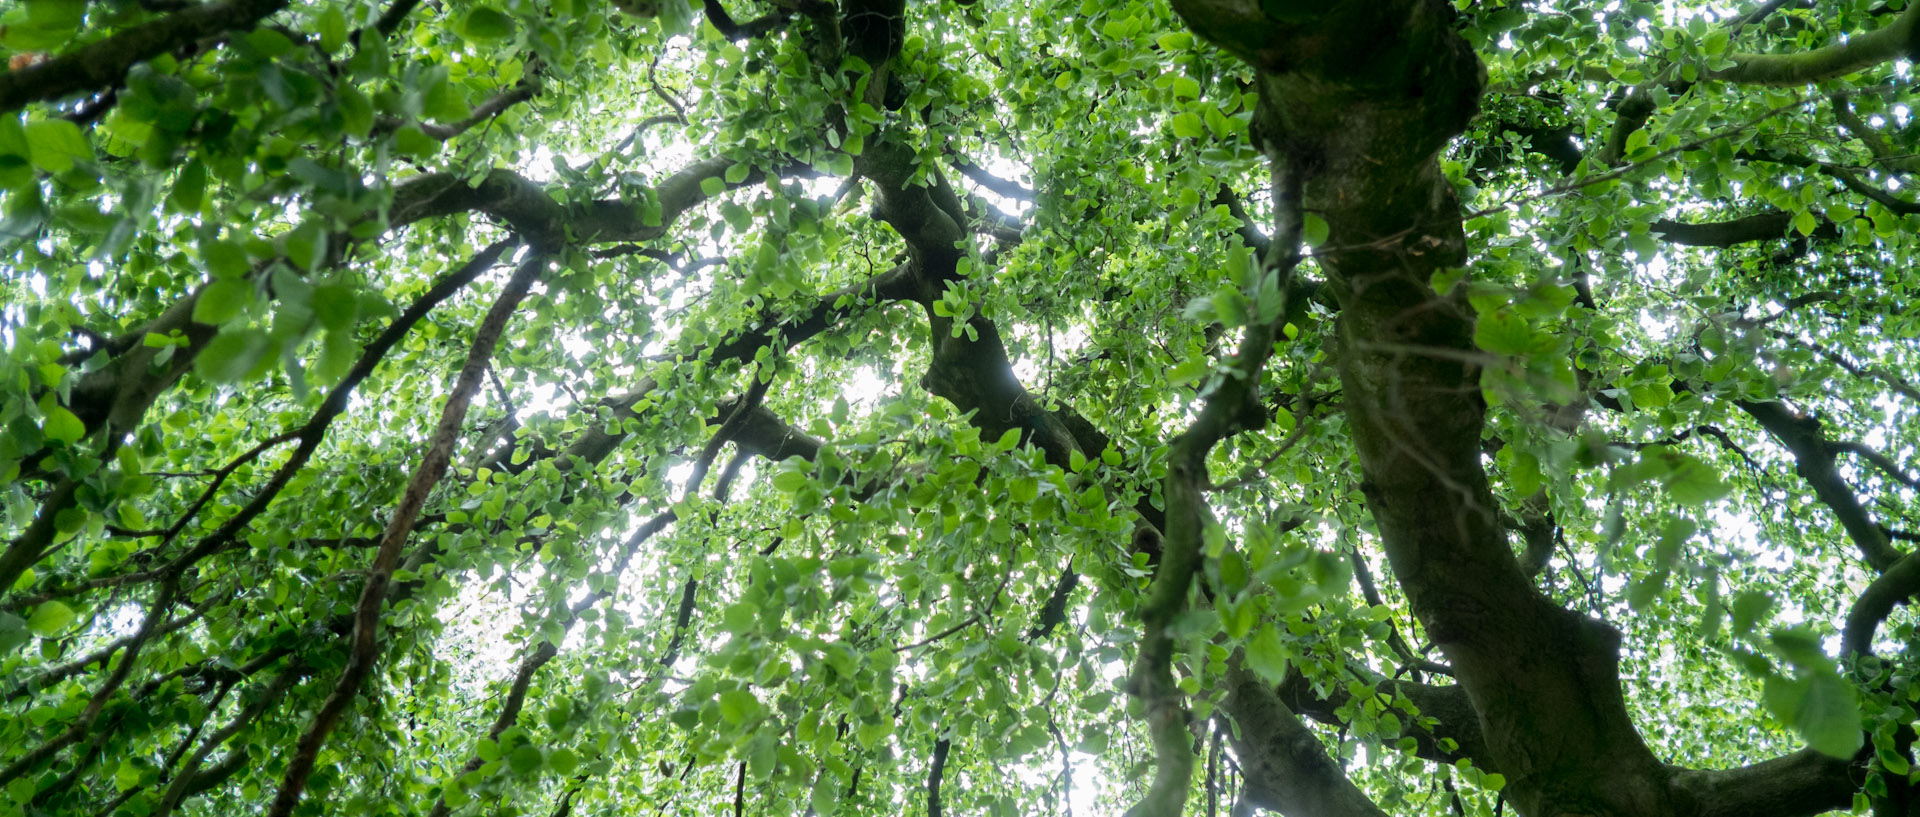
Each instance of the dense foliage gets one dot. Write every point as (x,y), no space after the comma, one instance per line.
(543,407)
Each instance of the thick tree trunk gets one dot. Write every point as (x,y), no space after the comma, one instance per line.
(1365,96)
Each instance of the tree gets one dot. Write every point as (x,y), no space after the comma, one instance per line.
(1398,407)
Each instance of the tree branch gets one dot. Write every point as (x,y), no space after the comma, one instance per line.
(1895,585)
(156,610)
(103,65)
(935,771)
(717,15)
(1005,188)
(1287,768)
(1800,784)
(1814,461)
(184,778)
(1233,405)
(1857,53)
(1743,230)
(365,644)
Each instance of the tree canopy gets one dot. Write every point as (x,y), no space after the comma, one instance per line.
(868,407)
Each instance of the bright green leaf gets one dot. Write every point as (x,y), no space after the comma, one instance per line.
(1267,656)
(50,618)
(57,144)
(487,23)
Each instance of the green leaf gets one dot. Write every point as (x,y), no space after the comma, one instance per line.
(62,425)
(1892,760)
(225,259)
(56,13)
(825,798)
(1693,483)
(127,776)
(1805,222)
(712,186)
(1716,42)
(486,23)
(27,38)
(231,355)
(445,102)
(50,618)
(1651,395)
(222,300)
(1024,490)
(189,188)
(1503,332)
(337,306)
(57,144)
(16,169)
(1821,707)
(740,617)
(1267,656)
(563,761)
(738,705)
(1188,126)
(268,42)
(356,112)
(676,16)
(1189,370)
(1313,229)
(13,633)
(332,25)
(412,141)
(1524,475)
(525,760)
(790,482)
(737,217)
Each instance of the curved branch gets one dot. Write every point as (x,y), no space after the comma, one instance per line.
(1054,612)
(102,65)
(723,22)
(1857,53)
(1800,784)
(1893,587)
(1232,406)
(1876,144)
(1454,718)
(1846,176)
(314,431)
(1814,459)
(1286,766)
(525,90)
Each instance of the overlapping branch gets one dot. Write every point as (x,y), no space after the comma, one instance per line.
(1232,405)
(365,637)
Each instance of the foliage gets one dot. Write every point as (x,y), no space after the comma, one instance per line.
(501,407)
